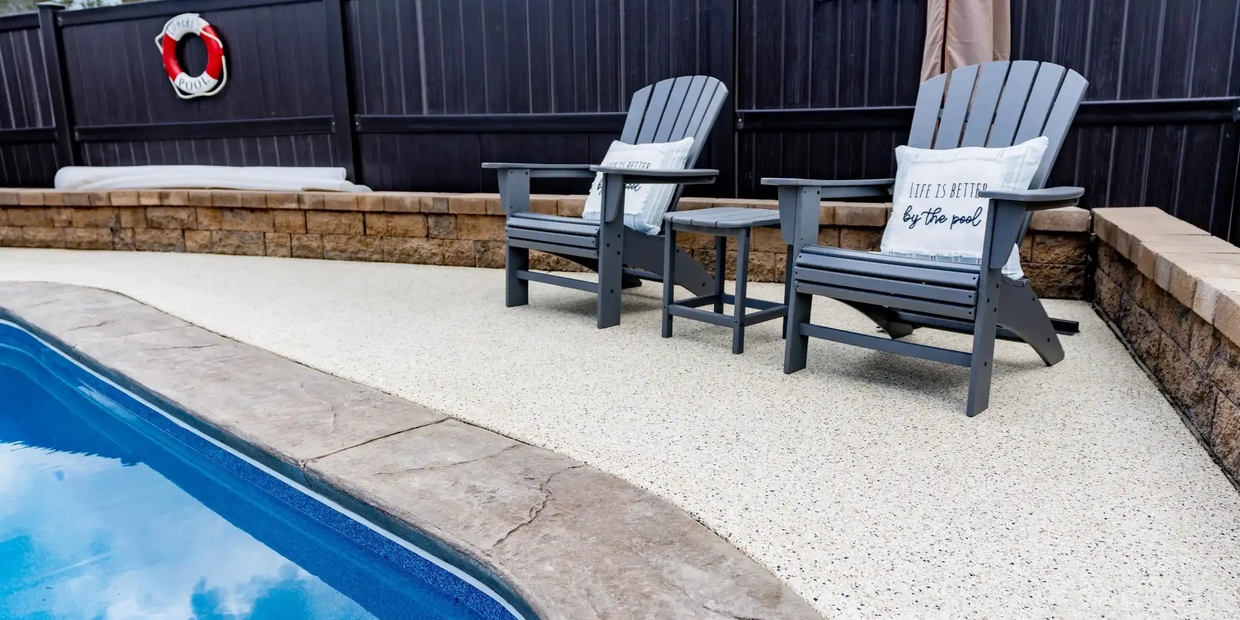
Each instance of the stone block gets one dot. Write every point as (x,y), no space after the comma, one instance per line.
(412,250)
(458,252)
(1206,295)
(864,239)
(371,202)
(572,206)
(283,200)
(768,240)
(171,218)
(122,239)
(1066,219)
(1149,247)
(548,262)
(54,198)
(434,202)
(148,198)
(157,240)
(1203,341)
(1147,294)
(88,238)
(851,214)
(1227,315)
(687,203)
(340,201)
(312,201)
(1141,331)
(1026,249)
(495,206)
(468,204)
(174,198)
(1057,282)
(286,221)
(441,226)
(100,199)
(201,198)
(247,220)
(352,247)
(830,236)
(30,197)
(245,243)
(307,246)
(254,200)
(207,218)
(198,241)
(75,199)
(8,198)
(489,254)
(278,244)
(31,216)
(1224,369)
(1059,249)
(125,198)
(226,198)
(1109,296)
(134,217)
(1187,385)
(480,227)
(396,224)
(43,237)
(1180,273)
(95,217)
(10,237)
(545,204)
(403,202)
(335,223)
(1225,434)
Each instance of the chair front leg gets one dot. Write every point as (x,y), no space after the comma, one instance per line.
(516,289)
(796,344)
(611,251)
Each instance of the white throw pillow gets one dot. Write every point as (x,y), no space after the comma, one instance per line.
(644,203)
(935,210)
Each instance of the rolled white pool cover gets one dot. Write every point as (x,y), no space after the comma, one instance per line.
(205,177)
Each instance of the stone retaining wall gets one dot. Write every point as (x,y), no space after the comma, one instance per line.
(436,229)
(1174,292)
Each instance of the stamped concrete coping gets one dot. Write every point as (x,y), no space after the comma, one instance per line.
(564,540)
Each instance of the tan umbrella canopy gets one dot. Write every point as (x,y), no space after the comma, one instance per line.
(965,32)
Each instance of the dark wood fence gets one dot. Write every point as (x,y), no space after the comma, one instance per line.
(414,94)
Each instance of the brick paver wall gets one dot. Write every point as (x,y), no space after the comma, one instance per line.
(435,229)
(1174,292)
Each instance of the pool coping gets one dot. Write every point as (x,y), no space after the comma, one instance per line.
(557,539)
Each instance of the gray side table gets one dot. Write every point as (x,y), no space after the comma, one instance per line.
(721,222)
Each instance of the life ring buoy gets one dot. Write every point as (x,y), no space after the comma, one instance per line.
(213,79)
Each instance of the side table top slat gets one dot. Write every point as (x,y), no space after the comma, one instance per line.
(725,217)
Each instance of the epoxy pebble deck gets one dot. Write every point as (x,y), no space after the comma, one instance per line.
(859,481)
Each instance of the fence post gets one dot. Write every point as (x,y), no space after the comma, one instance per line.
(58,89)
(723,68)
(344,138)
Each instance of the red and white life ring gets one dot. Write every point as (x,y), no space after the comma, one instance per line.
(212,80)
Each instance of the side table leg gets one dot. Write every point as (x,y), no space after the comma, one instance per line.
(721,261)
(742,279)
(669,276)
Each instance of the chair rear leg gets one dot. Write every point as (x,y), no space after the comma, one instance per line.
(610,274)
(1021,312)
(516,290)
(796,345)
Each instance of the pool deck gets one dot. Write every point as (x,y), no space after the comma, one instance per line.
(859,482)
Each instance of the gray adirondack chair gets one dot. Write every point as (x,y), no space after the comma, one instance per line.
(996,104)
(668,111)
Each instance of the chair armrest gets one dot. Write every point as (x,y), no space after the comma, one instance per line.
(1038,199)
(611,206)
(700,176)
(868,188)
(553,171)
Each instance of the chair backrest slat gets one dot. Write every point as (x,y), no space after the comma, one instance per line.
(985,101)
(700,87)
(955,107)
(637,113)
(675,103)
(1041,98)
(1071,92)
(654,111)
(703,118)
(1012,103)
(926,112)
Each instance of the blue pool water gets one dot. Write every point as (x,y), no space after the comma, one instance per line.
(111,510)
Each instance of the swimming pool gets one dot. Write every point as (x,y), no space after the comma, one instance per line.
(111,508)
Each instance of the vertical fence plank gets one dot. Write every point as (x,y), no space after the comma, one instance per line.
(53,60)
(344,138)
